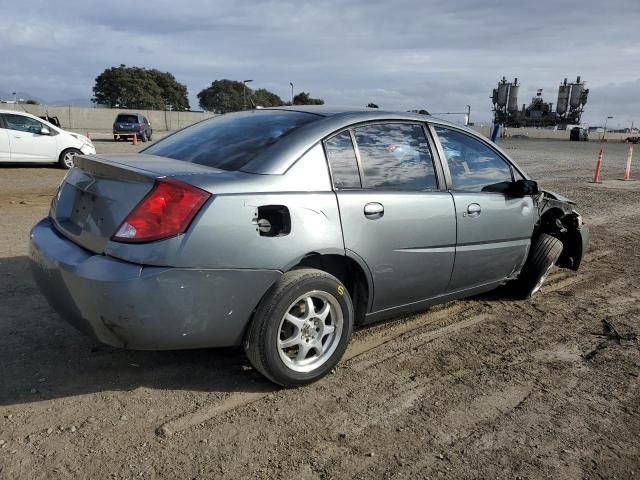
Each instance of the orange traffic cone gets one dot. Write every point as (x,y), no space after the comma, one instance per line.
(89,135)
(596,174)
(135,139)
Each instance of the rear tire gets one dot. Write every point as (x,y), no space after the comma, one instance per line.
(143,136)
(115,138)
(543,255)
(301,328)
(66,158)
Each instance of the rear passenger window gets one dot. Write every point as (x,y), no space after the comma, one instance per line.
(395,156)
(342,160)
(474,167)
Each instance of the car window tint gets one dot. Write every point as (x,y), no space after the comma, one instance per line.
(473,165)
(232,140)
(342,159)
(127,119)
(22,123)
(395,156)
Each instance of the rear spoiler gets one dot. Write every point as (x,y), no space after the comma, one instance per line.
(105,167)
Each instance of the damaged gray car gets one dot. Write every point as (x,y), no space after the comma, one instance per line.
(283,229)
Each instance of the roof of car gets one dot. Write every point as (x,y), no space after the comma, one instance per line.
(16,111)
(362,114)
(334,119)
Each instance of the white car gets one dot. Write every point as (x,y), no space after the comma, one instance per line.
(27,138)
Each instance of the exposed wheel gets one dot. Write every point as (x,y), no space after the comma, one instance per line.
(543,255)
(115,138)
(149,136)
(66,157)
(143,136)
(301,328)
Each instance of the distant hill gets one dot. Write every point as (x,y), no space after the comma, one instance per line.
(76,102)
(24,95)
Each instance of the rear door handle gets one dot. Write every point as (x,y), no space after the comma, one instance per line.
(473,210)
(373,210)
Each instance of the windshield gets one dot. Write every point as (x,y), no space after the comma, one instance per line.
(230,141)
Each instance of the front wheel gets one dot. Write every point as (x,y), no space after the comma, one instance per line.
(301,328)
(66,158)
(544,253)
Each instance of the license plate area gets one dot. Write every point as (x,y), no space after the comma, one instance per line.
(82,207)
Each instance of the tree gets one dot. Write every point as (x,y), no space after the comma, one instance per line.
(173,92)
(372,105)
(303,98)
(229,96)
(265,98)
(135,87)
(31,101)
(223,96)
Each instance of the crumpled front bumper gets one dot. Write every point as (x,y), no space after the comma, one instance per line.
(148,308)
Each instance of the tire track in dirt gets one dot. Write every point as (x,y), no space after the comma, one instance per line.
(237,400)
(452,318)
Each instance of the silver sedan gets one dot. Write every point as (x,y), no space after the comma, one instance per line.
(282,229)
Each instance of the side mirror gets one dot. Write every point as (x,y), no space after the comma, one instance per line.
(523,188)
(45,131)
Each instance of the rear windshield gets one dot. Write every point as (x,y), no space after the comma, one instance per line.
(230,141)
(127,119)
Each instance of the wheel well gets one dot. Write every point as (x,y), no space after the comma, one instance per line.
(349,272)
(63,152)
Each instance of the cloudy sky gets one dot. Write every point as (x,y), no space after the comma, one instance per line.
(401,54)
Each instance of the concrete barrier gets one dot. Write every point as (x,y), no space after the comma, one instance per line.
(92,119)
(82,118)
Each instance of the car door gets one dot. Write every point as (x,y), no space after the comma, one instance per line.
(5,149)
(26,141)
(494,229)
(394,217)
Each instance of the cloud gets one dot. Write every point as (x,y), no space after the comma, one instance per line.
(405,54)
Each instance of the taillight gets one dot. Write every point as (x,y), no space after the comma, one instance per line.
(166,211)
(141,126)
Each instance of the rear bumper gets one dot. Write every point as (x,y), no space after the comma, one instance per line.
(147,308)
(127,132)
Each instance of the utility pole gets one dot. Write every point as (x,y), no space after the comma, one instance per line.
(468,114)
(604,134)
(244,94)
(291,83)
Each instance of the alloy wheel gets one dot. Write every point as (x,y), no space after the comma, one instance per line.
(310,331)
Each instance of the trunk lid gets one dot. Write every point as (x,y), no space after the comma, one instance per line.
(96,196)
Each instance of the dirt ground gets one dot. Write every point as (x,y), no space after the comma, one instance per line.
(482,388)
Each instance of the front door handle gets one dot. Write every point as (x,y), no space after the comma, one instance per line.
(473,210)
(373,210)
